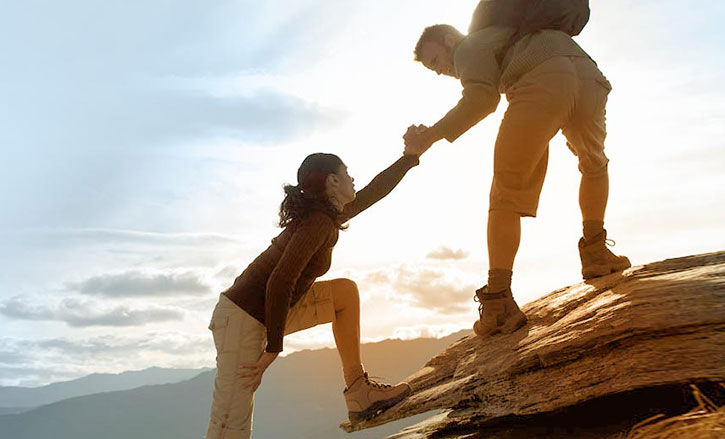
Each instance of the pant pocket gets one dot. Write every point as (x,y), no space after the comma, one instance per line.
(218,327)
(232,334)
(604,82)
(226,331)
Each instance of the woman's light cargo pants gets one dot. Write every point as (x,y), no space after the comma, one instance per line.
(240,338)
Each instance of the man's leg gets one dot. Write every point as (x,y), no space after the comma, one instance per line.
(521,154)
(593,195)
(585,133)
(498,311)
(503,237)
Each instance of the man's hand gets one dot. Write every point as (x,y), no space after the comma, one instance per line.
(251,373)
(418,138)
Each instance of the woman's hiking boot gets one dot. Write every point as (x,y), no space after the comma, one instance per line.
(597,259)
(366,398)
(498,313)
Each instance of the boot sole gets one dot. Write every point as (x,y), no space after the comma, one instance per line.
(604,269)
(377,408)
(511,325)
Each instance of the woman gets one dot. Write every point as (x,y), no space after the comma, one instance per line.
(277,295)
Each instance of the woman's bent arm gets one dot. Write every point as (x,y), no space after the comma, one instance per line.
(311,234)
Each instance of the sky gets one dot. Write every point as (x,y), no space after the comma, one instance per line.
(145,144)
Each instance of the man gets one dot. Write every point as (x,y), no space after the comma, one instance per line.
(551,84)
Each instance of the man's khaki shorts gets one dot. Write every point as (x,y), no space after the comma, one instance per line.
(562,93)
(240,338)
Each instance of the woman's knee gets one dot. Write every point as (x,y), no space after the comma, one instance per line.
(345,292)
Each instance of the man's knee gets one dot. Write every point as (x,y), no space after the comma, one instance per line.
(594,172)
(510,210)
(508,213)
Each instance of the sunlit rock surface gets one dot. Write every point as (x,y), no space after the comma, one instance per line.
(614,344)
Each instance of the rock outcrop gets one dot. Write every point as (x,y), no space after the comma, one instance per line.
(594,359)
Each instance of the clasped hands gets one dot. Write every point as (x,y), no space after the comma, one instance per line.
(418,138)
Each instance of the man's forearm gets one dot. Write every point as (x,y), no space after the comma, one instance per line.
(477,102)
(434,134)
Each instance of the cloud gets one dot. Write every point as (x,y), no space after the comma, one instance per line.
(226,36)
(12,356)
(434,290)
(116,122)
(228,272)
(81,313)
(99,236)
(160,342)
(447,253)
(143,116)
(137,284)
(428,331)
(377,277)
(39,361)
(111,86)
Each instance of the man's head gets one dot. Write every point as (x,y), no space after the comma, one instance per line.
(436,46)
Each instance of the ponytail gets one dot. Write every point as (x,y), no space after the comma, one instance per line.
(292,205)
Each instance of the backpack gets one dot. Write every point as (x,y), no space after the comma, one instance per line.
(529,16)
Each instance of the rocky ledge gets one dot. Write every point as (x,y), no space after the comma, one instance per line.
(595,359)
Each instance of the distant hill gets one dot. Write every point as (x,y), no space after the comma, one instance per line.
(300,397)
(14,399)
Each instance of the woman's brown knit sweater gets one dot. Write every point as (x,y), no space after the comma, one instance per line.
(283,273)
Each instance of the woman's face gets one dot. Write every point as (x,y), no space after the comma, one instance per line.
(344,191)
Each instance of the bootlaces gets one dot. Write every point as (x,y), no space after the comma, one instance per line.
(610,242)
(491,296)
(480,303)
(376,384)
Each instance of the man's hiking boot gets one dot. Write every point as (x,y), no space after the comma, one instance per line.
(596,258)
(498,313)
(366,398)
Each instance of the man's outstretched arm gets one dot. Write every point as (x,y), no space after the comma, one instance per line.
(478,101)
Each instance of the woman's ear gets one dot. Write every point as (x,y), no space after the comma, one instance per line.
(332,182)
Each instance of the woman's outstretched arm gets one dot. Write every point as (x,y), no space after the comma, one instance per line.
(379,187)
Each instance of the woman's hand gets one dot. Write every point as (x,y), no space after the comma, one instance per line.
(252,373)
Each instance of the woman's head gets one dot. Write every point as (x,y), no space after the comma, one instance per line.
(324,176)
(322,183)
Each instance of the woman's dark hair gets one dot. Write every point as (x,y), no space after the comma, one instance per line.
(309,194)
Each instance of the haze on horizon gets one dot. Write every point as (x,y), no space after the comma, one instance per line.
(145,146)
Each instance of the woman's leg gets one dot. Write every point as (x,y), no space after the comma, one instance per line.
(346,327)
(238,338)
(338,301)
(333,301)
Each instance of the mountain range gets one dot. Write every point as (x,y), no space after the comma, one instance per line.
(18,399)
(300,397)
